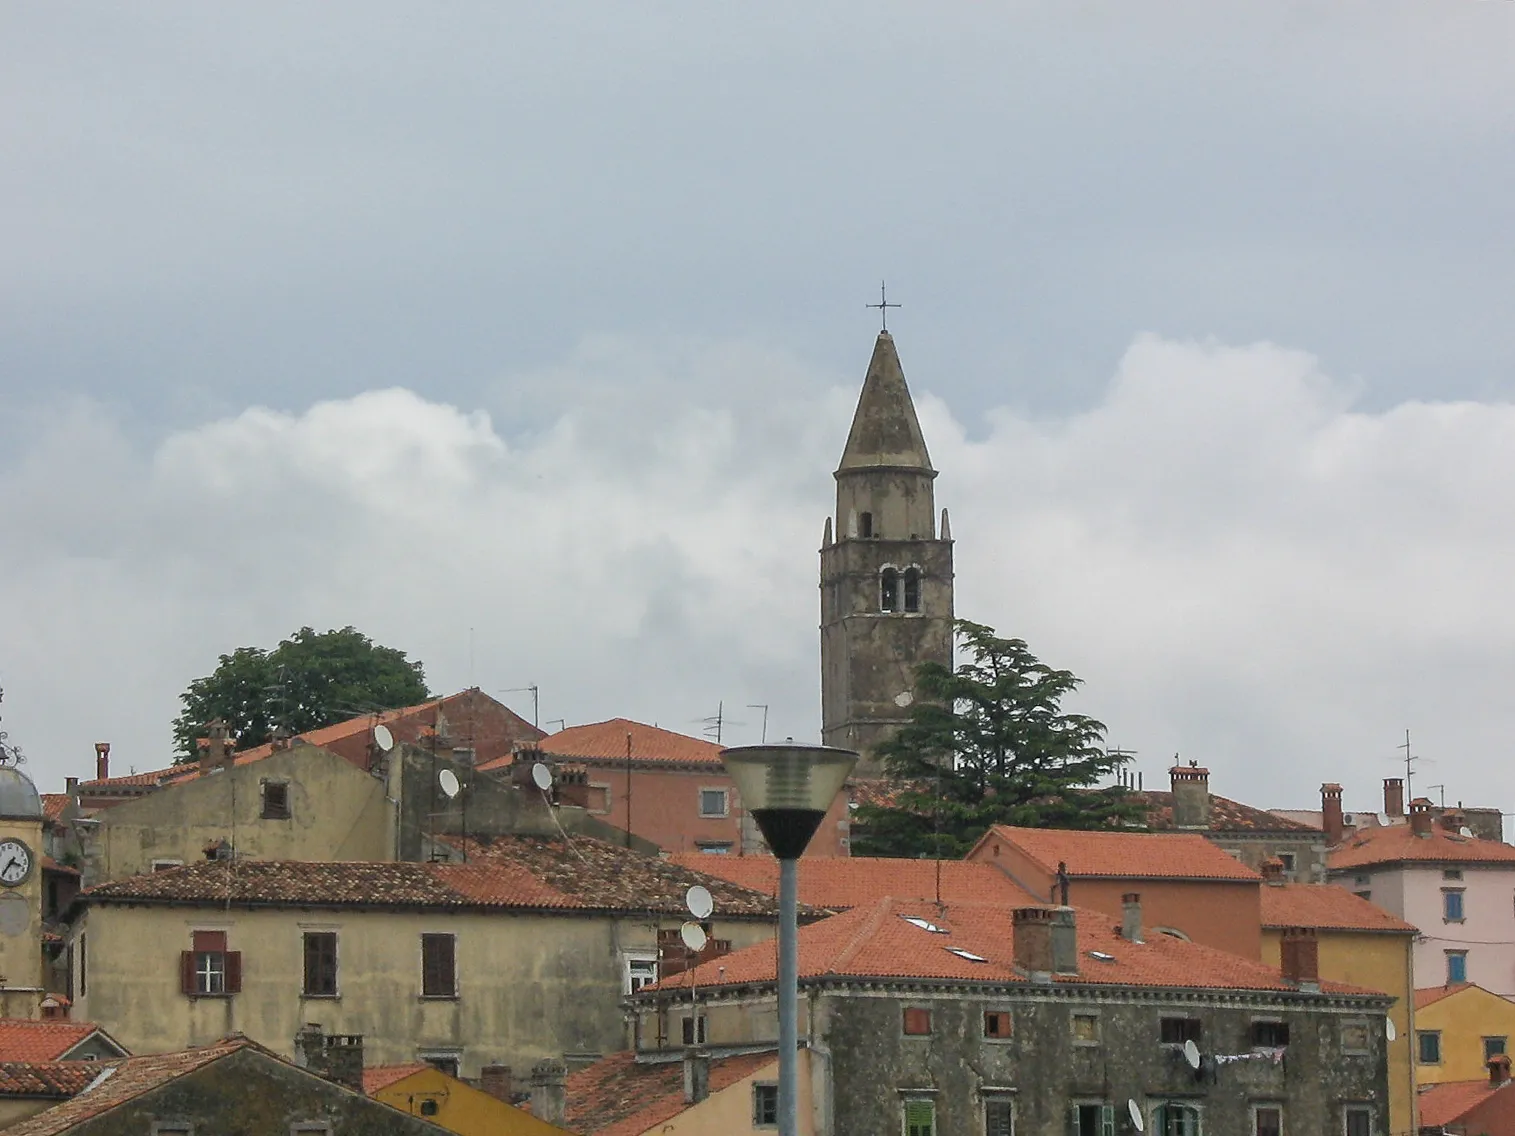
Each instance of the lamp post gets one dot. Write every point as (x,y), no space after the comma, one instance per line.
(787,789)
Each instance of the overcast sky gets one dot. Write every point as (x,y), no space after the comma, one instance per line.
(539,327)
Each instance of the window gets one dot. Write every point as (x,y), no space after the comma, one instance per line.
(641,970)
(999,1117)
(83,965)
(693,1030)
(1085,1029)
(1493,1047)
(1358,1121)
(889,590)
(920,1118)
(1428,1047)
(167,865)
(997,1024)
(275,800)
(429,1107)
(1093,1120)
(439,975)
(320,964)
(765,1105)
(1173,1119)
(714,847)
(1176,1031)
(1287,859)
(1451,905)
(1355,1038)
(912,589)
(1457,967)
(1451,873)
(1267,1120)
(172,1128)
(712,802)
(208,969)
(310,1128)
(917,1021)
(442,1062)
(865,525)
(1270,1034)
(599,799)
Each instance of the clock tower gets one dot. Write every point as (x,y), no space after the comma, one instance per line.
(21,988)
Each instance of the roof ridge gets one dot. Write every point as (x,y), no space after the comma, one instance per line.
(870,927)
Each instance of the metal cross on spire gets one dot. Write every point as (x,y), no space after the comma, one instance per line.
(883,306)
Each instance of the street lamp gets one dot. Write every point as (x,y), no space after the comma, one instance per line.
(787,789)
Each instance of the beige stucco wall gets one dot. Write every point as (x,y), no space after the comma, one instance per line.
(337,812)
(530,986)
(729,1112)
(21,952)
(13,1110)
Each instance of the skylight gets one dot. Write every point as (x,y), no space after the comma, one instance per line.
(924,924)
(962,954)
(1102,956)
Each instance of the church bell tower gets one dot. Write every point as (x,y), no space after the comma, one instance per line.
(886,573)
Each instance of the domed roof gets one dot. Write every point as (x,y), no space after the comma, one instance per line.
(18,796)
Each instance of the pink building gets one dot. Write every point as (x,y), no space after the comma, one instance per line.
(1458,889)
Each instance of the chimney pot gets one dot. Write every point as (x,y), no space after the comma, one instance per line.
(1033,940)
(1301,957)
(548,1098)
(1421,818)
(1131,917)
(1191,795)
(1064,941)
(1393,796)
(497,1081)
(70,785)
(102,760)
(1499,1070)
(1331,819)
(1272,870)
(696,1076)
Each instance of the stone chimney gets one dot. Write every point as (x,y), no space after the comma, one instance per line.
(102,760)
(549,1099)
(1421,819)
(1331,818)
(1131,917)
(1033,940)
(1301,957)
(696,1075)
(1272,870)
(71,786)
(498,1082)
(1064,941)
(1454,820)
(1393,797)
(1191,795)
(338,1057)
(1499,1070)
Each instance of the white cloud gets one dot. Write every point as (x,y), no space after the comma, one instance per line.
(1242,566)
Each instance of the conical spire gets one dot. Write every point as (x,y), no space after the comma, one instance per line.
(885,430)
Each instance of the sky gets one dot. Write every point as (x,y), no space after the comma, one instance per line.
(525,337)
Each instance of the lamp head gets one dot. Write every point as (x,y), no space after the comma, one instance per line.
(788,788)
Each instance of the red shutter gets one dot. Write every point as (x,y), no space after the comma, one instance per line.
(234,972)
(187,972)
(208,942)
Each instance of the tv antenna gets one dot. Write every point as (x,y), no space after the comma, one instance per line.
(763,706)
(534,699)
(1443,793)
(714,725)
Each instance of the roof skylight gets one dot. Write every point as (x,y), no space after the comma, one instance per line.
(962,954)
(924,924)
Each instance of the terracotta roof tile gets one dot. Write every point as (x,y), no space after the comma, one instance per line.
(51,865)
(1430,995)
(1226,815)
(32,1039)
(840,882)
(525,873)
(1327,907)
(607,741)
(1449,1101)
(1125,855)
(379,1077)
(1396,844)
(620,1096)
(58,1080)
(53,805)
(880,942)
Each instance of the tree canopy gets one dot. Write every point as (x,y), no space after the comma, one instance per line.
(990,744)
(309,680)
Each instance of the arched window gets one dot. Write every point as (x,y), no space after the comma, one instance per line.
(865,526)
(889,590)
(912,589)
(1177,1120)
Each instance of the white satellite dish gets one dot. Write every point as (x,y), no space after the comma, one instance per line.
(1388,1028)
(1464,831)
(451,786)
(1191,1054)
(383,738)
(1136,1116)
(541,777)
(698,900)
(694,937)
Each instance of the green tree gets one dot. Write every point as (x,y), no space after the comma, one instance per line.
(309,680)
(990,744)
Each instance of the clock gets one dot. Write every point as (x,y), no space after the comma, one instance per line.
(15,862)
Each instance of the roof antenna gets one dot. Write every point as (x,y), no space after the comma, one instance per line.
(763,706)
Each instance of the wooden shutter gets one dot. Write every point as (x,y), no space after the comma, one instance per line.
(208,942)
(233,972)
(83,965)
(438,969)
(920,1118)
(187,972)
(917,1022)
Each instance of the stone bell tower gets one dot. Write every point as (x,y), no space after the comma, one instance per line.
(886,573)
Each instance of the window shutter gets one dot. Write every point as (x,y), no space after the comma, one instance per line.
(234,972)
(1073,1120)
(920,1118)
(186,972)
(1107,1120)
(208,942)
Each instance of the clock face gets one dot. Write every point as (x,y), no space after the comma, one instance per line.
(15,862)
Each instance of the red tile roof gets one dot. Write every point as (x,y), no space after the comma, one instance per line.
(32,1039)
(519,872)
(1326,907)
(1226,815)
(1430,995)
(1449,1101)
(55,1080)
(620,1096)
(880,942)
(606,741)
(1124,855)
(53,805)
(840,882)
(1397,844)
(379,1077)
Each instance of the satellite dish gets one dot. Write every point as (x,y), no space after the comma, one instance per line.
(694,937)
(1464,831)
(383,738)
(1388,1028)
(698,900)
(1191,1054)
(1136,1116)
(450,783)
(541,777)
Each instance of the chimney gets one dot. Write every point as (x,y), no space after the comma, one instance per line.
(696,1075)
(1191,795)
(1131,917)
(1272,870)
(71,786)
(1331,820)
(102,760)
(1301,957)
(337,1057)
(497,1081)
(548,1097)
(1033,940)
(1064,941)
(1420,816)
(1393,796)
(1454,820)
(1499,1070)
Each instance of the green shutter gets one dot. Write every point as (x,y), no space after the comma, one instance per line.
(1107,1120)
(920,1118)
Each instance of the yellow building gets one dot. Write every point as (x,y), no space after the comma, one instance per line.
(21,978)
(1457,1030)
(1361,944)
(425,1091)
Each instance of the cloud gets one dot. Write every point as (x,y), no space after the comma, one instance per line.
(1245,566)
